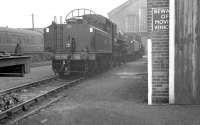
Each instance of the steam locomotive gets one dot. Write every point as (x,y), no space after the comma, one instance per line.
(86,43)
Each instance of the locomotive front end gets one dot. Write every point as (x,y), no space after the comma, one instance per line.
(82,44)
(71,44)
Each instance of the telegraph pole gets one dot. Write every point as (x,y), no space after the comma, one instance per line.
(32,21)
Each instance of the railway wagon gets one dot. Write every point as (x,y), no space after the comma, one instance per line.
(134,50)
(120,49)
(129,48)
(31,41)
(83,44)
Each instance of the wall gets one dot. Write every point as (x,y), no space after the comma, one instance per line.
(160,55)
(187,52)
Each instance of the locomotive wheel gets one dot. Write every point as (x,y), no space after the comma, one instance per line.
(100,67)
(111,64)
(86,68)
(93,68)
(58,67)
(61,74)
(114,62)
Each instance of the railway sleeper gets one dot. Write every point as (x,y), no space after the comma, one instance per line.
(13,110)
(3,116)
(38,99)
(25,107)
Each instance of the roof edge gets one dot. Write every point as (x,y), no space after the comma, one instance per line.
(118,8)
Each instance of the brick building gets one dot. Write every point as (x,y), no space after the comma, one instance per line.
(173,51)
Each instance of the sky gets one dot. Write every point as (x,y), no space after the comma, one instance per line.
(17,13)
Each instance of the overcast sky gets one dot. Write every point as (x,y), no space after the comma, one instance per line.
(17,13)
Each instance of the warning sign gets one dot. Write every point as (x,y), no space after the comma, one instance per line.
(160,19)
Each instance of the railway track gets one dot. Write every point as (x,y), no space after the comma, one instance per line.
(33,94)
(27,85)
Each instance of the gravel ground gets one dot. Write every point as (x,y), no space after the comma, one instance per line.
(117,97)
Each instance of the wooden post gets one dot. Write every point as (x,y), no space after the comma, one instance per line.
(149,42)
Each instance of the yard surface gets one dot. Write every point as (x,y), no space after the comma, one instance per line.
(116,97)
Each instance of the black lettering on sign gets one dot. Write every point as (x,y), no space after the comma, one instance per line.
(160,19)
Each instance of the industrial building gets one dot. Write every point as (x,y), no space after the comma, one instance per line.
(131,18)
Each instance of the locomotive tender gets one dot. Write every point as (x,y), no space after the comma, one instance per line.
(86,43)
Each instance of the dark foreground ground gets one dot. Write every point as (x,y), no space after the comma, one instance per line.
(117,97)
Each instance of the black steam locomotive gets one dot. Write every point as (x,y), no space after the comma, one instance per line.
(86,43)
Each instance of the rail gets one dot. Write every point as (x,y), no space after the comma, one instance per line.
(26,104)
(26,85)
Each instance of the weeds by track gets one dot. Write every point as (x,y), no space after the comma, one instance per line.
(34,93)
